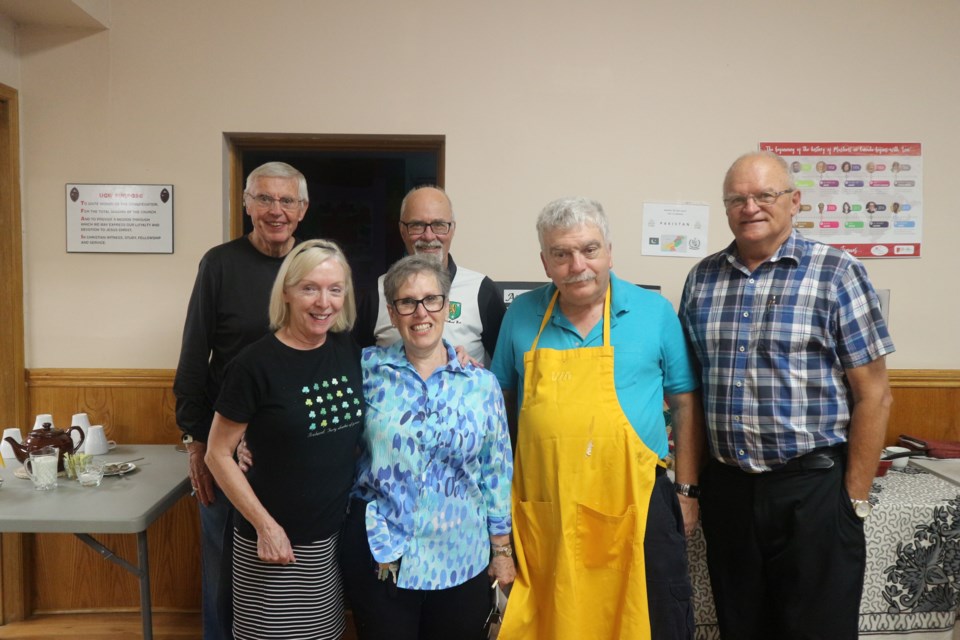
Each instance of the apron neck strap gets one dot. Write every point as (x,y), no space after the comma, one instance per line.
(553,302)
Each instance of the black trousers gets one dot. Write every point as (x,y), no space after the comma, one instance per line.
(669,591)
(382,611)
(786,553)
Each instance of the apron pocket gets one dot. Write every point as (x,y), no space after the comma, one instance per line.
(605,541)
(536,526)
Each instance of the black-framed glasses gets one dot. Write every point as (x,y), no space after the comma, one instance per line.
(439,227)
(408,306)
(266,202)
(766,197)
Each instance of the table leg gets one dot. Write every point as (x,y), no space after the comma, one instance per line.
(146,609)
(142,572)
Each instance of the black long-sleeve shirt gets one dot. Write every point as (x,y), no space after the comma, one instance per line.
(228,310)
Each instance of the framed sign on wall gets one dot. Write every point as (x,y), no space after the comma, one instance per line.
(119,218)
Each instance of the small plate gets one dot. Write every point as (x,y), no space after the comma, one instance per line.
(114,469)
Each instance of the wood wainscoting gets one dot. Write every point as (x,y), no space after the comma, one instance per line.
(926,403)
(55,573)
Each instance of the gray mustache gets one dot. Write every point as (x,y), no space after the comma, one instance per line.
(583,277)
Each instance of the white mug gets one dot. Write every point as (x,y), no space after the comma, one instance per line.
(41,466)
(41,419)
(898,463)
(96,443)
(81,420)
(6,451)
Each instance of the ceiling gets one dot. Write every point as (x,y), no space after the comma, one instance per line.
(57,13)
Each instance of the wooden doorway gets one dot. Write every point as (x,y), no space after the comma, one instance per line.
(14,585)
(356,184)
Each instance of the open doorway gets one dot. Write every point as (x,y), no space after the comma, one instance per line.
(356,184)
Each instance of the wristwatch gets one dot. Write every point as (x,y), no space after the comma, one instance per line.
(862,508)
(505,550)
(688,490)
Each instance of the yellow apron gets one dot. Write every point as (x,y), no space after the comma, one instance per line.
(581,490)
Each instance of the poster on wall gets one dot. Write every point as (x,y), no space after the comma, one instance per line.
(675,230)
(119,218)
(863,197)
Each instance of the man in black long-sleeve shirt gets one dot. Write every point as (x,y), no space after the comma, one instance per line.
(228,311)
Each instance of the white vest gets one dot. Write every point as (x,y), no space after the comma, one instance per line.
(463,326)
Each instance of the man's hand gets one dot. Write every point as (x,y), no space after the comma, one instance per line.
(200,477)
(464,358)
(690,508)
(244,457)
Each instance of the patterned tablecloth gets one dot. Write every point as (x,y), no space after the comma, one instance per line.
(912,583)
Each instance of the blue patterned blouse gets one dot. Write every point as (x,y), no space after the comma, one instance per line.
(435,469)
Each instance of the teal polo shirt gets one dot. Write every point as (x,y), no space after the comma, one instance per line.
(650,352)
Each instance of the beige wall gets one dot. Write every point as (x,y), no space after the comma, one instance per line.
(624,101)
(9,59)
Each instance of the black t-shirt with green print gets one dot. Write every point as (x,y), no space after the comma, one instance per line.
(304,414)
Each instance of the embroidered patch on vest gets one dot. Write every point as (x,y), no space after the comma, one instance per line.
(454,310)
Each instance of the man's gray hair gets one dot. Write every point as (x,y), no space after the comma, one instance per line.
(769,155)
(279,170)
(403,205)
(409,266)
(569,213)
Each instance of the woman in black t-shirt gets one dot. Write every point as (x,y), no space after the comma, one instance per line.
(296,395)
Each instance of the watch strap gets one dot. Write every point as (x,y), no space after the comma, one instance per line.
(687,490)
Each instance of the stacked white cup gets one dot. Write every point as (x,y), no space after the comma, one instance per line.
(81,420)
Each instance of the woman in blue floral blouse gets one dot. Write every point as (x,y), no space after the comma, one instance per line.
(429,522)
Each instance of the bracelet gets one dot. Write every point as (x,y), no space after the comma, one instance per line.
(505,550)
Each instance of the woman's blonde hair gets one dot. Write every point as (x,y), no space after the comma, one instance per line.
(303,259)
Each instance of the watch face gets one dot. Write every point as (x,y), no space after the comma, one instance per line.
(862,508)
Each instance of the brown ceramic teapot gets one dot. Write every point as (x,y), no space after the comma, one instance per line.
(46,436)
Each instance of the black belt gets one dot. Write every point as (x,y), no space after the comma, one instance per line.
(824,458)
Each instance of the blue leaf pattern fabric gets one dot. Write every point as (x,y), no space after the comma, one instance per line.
(435,467)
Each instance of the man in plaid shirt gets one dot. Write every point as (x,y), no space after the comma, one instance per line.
(791,344)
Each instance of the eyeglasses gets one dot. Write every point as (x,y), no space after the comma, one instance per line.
(439,227)
(266,202)
(408,306)
(767,197)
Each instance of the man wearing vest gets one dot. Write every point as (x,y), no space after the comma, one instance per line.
(476,307)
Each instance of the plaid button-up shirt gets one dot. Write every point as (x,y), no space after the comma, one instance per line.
(773,345)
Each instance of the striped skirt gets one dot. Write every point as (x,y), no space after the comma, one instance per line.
(298,601)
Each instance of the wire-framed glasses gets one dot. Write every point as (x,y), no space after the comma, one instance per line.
(286,203)
(765,197)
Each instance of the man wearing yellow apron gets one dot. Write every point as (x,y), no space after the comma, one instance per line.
(598,531)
